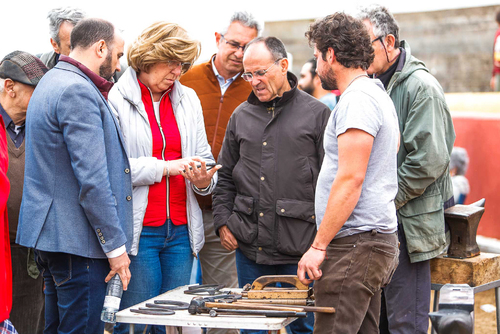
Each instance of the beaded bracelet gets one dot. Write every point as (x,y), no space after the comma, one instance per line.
(323,250)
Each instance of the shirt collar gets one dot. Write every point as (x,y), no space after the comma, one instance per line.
(220,77)
(102,84)
(6,118)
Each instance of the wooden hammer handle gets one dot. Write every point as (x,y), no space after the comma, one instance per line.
(320,309)
(250,306)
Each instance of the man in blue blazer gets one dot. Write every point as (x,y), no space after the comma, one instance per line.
(77,209)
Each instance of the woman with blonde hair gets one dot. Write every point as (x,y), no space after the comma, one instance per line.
(164,131)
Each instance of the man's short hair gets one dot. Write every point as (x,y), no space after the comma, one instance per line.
(347,37)
(383,22)
(59,15)
(161,42)
(89,31)
(314,64)
(247,20)
(273,44)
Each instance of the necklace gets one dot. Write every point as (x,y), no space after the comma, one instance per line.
(357,77)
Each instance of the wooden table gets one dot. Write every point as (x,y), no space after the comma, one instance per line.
(184,319)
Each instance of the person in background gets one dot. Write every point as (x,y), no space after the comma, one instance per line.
(221,89)
(310,83)
(162,123)
(495,78)
(61,23)
(459,163)
(424,183)
(76,209)
(20,72)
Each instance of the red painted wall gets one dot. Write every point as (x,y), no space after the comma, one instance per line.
(481,138)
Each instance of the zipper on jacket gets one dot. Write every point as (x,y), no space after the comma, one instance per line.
(217,122)
(158,121)
(272,108)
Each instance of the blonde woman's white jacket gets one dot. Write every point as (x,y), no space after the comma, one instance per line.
(126,102)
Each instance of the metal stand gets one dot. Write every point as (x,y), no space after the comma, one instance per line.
(480,288)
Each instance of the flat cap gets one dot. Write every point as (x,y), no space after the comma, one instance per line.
(22,67)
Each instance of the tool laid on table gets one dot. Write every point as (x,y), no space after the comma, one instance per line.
(145,310)
(170,304)
(260,290)
(269,314)
(205,289)
(162,307)
(265,306)
(199,305)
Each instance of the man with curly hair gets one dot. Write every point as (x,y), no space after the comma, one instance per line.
(355,250)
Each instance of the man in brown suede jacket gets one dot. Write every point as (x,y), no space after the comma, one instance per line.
(221,89)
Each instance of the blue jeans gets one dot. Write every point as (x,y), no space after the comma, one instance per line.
(74,292)
(248,271)
(163,263)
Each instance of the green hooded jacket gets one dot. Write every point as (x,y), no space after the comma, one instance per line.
(427,137)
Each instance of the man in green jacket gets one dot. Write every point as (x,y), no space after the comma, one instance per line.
(425,188)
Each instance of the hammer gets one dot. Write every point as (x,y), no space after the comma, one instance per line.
(199,305)
(269,314)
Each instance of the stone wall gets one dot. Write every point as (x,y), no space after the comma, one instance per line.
(456,44)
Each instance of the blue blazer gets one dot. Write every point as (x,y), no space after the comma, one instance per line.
(77,184)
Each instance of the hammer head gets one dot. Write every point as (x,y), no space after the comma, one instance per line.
(197,306)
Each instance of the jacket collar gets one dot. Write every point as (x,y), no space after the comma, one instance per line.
(129,88)
(404,70)
(102,84)
(278,101)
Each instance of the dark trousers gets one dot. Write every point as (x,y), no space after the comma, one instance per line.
(354,271)
(74,292)
(406,300)
(28,301)
(248,271)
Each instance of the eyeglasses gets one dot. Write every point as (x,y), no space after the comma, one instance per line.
(233,45)
(173,64)
(380,38)
(248,76)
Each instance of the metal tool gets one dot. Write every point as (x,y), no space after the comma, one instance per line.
(463,221)
(262,306)
(144,310)
(210,289)
(199,305)
(456,304)
(169,304)
(286,302)
(269,314)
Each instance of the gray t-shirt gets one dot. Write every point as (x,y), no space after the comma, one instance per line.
(366,106)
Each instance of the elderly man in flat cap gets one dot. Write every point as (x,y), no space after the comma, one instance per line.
(19,74)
